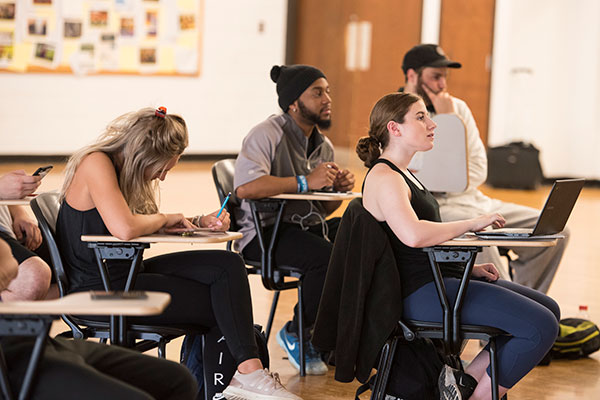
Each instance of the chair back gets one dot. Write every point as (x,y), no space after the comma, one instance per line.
(45,208)
(445,168)
(223,172)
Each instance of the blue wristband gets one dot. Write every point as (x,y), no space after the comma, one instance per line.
(302,184)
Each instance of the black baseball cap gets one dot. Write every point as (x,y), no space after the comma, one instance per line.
(427,55)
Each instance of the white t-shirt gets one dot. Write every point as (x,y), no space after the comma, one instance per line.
(6,221)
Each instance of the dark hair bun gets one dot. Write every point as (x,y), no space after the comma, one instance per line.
(275,71)
(368,150)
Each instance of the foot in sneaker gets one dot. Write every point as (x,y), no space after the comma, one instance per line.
(258,385)
(290,343)
(314,363)
(455,385)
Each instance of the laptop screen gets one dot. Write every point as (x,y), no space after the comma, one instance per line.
(558,207)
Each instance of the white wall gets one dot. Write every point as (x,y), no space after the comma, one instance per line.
(57,114)
(546,82)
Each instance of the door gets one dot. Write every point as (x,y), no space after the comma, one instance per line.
(466,35)
(321,40)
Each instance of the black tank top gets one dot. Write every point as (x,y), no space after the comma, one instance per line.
(412,262)
(79,260)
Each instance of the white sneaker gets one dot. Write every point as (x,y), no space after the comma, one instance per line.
(258,385)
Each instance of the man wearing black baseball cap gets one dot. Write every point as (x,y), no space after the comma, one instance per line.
(425,68)
(287,153)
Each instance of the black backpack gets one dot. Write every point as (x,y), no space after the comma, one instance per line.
(414,374)
(217,366)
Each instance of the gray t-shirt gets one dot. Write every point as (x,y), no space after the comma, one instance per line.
(6,221)
(278,147)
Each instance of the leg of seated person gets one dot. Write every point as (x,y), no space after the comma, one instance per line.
(80,369)
(213,286)
(162,379)
(309,254)
(222,277)
(31,283)
(529,316)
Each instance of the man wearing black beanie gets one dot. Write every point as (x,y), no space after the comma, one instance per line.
(287,153)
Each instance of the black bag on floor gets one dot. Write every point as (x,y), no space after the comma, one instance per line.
(515,166)
(414,374)
(577,338)
(217,366)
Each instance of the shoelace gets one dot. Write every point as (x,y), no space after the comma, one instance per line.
(272,378)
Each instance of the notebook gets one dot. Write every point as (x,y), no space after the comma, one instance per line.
(554,215)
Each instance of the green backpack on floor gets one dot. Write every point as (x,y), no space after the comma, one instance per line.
(577,338)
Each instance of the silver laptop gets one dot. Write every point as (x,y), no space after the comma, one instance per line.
(554,215)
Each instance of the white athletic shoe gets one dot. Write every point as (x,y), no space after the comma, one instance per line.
(258,385)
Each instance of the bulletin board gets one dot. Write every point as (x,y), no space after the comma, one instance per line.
(149,37)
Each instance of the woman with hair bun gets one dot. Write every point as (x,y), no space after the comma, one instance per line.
(110,188)
(409,214)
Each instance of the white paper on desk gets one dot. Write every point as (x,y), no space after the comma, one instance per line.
(467,236)
(323,193)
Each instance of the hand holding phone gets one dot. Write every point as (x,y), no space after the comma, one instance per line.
(17,185)
(43,171)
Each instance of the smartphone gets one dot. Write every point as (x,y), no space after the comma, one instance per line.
(119,295)
(43,171)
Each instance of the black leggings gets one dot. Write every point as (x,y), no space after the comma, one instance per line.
(78,369)
(308,252)
(208,288)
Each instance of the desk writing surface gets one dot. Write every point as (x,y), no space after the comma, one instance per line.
(82,303)
(478,242)
(20,202)
(17,202)
(162,238)
(323,196)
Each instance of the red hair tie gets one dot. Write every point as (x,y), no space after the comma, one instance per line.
(161,112)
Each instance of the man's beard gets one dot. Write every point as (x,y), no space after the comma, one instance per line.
(421,91)
(312,117)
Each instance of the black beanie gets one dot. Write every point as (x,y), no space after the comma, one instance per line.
(292,81)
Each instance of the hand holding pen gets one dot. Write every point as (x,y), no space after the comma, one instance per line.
(218,220)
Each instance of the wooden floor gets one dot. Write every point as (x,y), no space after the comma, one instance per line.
(189,189)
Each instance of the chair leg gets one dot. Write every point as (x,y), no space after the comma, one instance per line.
(383,369)
(162,348)
(272,314)
(493,368)
(301,330)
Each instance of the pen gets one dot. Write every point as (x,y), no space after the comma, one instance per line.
(223,205)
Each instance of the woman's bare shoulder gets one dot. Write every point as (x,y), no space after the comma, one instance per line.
(96,161)
(381,173)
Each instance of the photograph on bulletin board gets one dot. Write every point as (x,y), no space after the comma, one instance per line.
(149,37)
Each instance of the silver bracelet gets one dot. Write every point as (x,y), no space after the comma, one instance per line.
(197,220)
